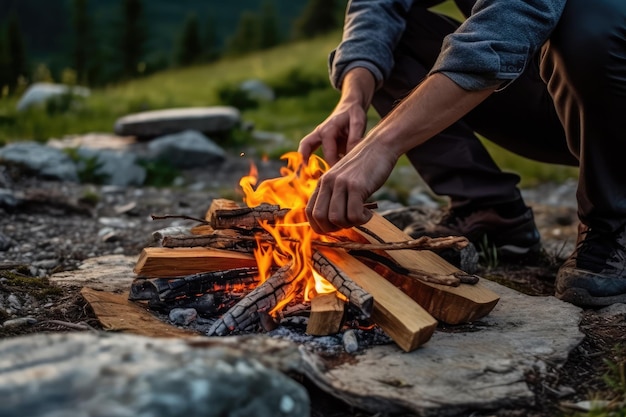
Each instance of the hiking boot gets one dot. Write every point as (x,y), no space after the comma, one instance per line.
(513,237)
(595,274)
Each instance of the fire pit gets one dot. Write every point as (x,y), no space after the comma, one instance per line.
(255,268)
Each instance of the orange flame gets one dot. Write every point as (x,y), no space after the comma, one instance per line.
(291,190)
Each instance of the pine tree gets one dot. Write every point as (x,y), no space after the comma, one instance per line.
(268,26)
(318,17)
(5,63)
(82,39)
(246,37)
(210,47)
(190,46)
(18,63)
(133,37)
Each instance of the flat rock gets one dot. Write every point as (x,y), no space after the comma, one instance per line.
(187,149)
(470,368)
(207,120)
(113,273)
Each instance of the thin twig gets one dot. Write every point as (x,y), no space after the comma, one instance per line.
(178,216)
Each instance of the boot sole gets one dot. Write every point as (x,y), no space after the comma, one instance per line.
(581,297)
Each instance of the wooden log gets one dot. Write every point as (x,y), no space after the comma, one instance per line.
(406,322)
(167,262)
(226,239)
(247,218)
(220,204)
(327,315)
(452,305)
(263,298)
(357,296)
(166,289)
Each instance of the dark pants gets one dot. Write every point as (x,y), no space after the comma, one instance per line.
(568,107)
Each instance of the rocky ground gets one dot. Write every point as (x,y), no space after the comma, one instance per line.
(48,226)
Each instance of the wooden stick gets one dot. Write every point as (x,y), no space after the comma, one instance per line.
(422,243)
(327,314)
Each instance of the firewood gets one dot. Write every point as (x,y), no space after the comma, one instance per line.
(327,314)
(452,305)
(247,218)
(219,204)
(265,297)
(356,295)
(406,322)
(165,289)
(220,239)
(167,262)
(116,313)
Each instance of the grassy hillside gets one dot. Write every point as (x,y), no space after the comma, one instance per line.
(293,115)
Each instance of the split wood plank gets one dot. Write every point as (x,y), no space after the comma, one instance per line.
(116,313)
(174,262)
(327,314)
(452,305)
(405,321)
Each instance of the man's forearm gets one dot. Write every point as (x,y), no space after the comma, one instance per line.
(433,106)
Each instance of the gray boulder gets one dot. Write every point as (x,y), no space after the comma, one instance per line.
(116,375)
(187,149)
(114,167)
(42,160)
(257,90)
(208,120)
(39,93)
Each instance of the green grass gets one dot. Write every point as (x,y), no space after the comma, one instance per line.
(292,115)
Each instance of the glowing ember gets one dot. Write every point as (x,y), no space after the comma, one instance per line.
(291,190)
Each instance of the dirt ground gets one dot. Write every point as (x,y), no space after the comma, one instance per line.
(32,226)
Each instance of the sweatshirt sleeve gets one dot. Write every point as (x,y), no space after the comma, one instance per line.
(490,49)
(496,43)
(372,29)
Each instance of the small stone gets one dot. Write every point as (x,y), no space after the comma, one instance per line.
(46,263)
(183,316)
(19,322)
(5,242)
(14,302)
(350,341)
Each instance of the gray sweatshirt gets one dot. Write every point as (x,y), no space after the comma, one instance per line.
(491,48)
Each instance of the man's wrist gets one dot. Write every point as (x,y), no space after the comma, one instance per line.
(358,86)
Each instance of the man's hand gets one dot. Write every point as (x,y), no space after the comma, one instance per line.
(339,199)
(344,127)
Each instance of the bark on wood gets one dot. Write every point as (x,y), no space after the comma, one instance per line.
(327,314)
(452,305)
(263,298)
(168,262)
(167,289)
(247,218)
(217,240)
(356,295)
(220,204)
(408,324)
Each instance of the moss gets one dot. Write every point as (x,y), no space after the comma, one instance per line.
(39,288)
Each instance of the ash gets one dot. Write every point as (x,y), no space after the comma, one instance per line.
(355,336)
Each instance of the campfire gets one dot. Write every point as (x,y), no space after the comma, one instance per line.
(247,268)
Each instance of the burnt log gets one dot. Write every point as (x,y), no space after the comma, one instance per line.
(357,296)
(247,218)
(263,298)
(166,289)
